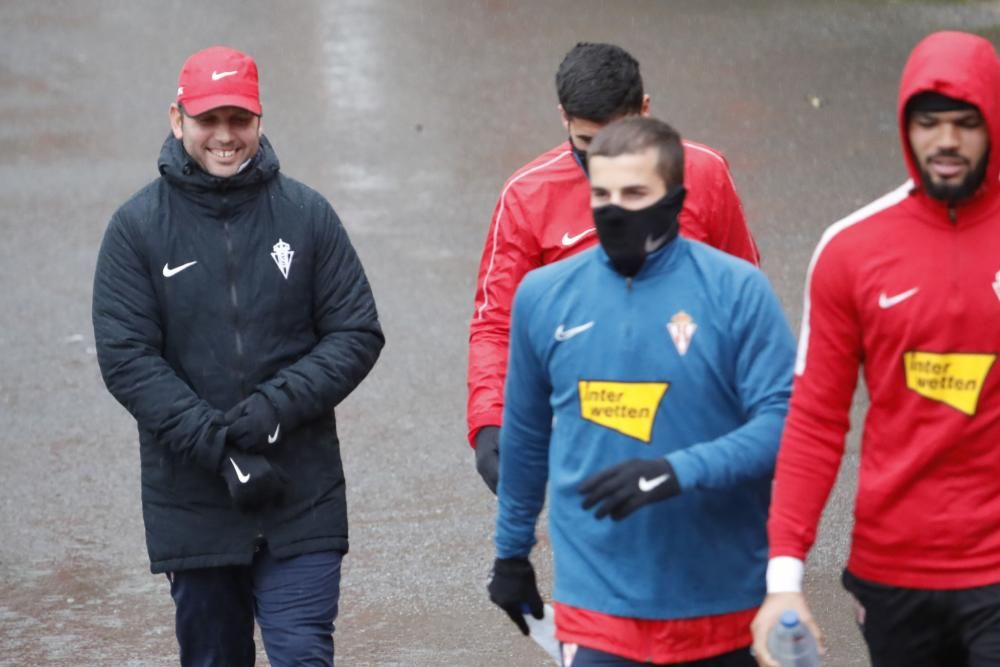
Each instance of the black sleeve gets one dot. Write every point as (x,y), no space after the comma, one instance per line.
(347,322)
(129,339)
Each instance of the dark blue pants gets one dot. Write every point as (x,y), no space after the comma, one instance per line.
(294,601)
(588,657)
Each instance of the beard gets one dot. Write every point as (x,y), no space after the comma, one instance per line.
(952,193)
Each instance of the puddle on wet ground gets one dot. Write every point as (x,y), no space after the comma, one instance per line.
(75,611)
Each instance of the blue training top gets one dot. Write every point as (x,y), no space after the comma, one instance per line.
(692,360)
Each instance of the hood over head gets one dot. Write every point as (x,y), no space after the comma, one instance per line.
(962,66)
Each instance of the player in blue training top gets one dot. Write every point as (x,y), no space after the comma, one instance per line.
(651,368)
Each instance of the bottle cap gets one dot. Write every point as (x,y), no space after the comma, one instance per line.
(789,618)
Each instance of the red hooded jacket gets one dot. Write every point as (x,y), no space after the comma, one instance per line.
(910,289)
(543,215)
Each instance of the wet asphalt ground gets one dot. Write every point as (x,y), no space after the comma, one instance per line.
(408,116)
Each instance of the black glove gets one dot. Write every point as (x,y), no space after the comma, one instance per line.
(253,424)
(512,587)
(488,455)
(624,488)
(253,482)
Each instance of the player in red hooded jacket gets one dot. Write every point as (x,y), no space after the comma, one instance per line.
(908,287)
(543,215)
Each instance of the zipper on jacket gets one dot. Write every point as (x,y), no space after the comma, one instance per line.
(952,214)
(235,303)
(956,304)
(629,321)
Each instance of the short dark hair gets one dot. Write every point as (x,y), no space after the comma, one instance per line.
(599,82)
(634,135)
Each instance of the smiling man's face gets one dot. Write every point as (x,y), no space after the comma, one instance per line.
(220,139)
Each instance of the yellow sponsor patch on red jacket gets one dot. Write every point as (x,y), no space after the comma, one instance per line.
(627,407)
(955,379)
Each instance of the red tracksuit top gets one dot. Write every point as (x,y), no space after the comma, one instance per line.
(543,215)
(910,289)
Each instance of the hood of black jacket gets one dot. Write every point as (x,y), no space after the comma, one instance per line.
(183,172)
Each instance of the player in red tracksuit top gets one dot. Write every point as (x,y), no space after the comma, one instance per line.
(543,215)
(909,287)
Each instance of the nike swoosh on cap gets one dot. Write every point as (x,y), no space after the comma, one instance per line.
(221,75)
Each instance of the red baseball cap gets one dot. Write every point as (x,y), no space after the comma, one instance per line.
(218,77)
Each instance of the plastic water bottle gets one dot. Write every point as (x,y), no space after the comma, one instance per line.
(544,632)
(791,643)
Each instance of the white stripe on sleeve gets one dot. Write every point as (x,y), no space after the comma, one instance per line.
(880,204)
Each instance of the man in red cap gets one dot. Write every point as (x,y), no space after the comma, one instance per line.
(231,315)
(218,88)
(909,288)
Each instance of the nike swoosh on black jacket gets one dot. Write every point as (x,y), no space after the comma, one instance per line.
(178,351)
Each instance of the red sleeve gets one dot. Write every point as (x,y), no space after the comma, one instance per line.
(715,215)
(511,250)
(826,373)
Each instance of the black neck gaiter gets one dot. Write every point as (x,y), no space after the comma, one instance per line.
(581,157)
(630,236)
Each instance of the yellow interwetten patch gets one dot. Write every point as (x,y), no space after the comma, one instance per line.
(954,379)
(627,407)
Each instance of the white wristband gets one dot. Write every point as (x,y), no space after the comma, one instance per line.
(784,575)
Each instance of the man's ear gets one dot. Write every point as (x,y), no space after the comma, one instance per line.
(176,121)
(564,117)
(644,110)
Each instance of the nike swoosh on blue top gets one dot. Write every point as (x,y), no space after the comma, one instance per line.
(562,333)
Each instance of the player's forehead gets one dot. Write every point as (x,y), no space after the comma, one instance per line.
(955,116)
(637,169)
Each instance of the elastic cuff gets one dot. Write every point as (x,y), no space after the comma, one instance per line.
(673,483)
(214,450)
(281,401)
(683,473)
(476,424)
(784,575)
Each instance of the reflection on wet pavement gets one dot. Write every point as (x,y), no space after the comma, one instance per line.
(408,117)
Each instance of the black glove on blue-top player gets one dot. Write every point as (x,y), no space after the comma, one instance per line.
(253,424)
(513,588)
(625,487)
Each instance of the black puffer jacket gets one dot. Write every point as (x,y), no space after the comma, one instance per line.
(193,311)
